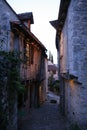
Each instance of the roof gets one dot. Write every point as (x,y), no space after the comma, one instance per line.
(22,16)
(59,23)
(21,26)
(54,23)
(26,16)
(24,29)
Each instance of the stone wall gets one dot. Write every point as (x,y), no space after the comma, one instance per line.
(77,14)
(77,32)
(6,16)
(8,97)
(73,101)
(76,35)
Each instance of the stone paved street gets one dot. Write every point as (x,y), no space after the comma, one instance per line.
(47,117)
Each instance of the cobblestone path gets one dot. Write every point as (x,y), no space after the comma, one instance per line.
(47,117)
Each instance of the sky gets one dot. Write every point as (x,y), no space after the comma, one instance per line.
(43,12)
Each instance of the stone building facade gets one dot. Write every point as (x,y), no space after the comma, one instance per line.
(71,43)
(16,35)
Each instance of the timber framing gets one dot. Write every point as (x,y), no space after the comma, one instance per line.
(19,25)
(15,26)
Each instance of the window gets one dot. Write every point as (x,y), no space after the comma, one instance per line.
(29,53)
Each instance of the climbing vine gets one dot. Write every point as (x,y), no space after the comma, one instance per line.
(10,70)
(10,84)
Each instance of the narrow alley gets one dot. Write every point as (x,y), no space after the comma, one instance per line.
(47,117)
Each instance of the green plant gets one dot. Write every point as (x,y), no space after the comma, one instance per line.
(10,84)
(53,101)
(51,82)
(9,67)
(56,85)
(3,119)
(74,126)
